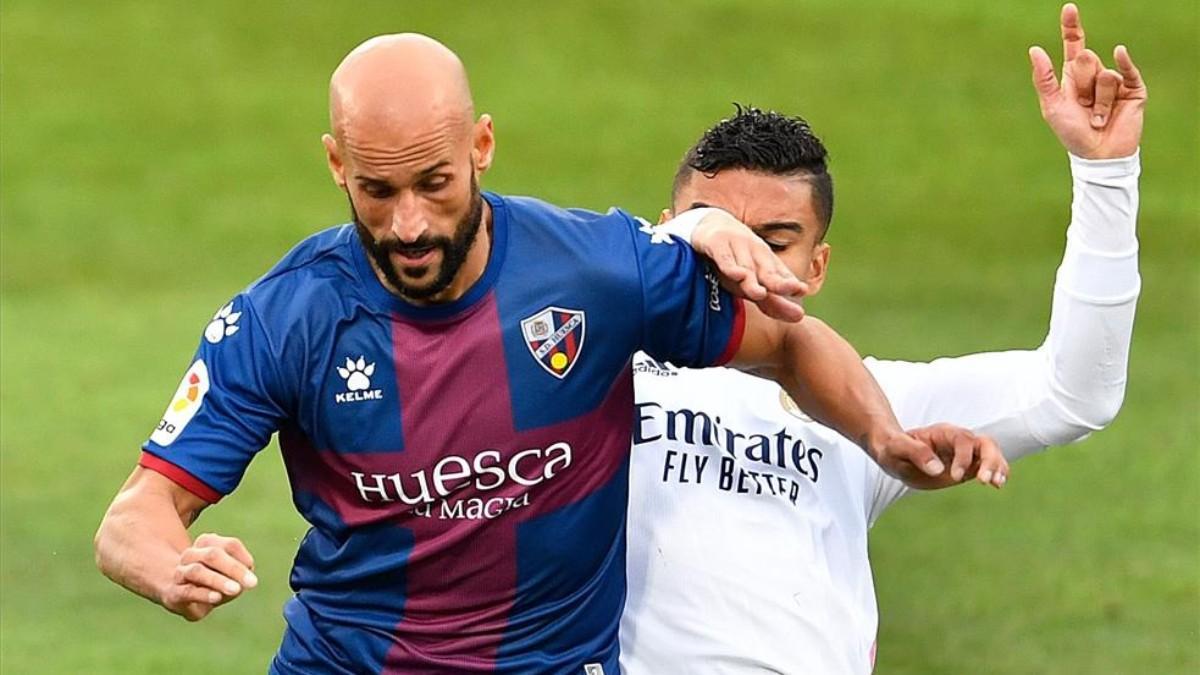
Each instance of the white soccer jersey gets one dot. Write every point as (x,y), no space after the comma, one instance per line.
(748,521)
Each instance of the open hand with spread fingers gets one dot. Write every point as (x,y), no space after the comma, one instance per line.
(1095,111)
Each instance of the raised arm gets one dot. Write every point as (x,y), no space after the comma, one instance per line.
(1074,383)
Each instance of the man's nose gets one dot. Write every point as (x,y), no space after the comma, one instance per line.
(408,219)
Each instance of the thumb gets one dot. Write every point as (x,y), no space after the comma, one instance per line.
(1044,80)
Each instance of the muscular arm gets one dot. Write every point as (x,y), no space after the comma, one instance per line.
(143,545)
(822,373)
(825,376)
(144,532)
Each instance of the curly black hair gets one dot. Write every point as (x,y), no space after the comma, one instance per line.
(765,142)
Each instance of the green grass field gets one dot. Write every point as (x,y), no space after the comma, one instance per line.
(156,157)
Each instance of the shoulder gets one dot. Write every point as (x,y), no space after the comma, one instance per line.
(585,251)
(317,274)
(326,250)
(531,215)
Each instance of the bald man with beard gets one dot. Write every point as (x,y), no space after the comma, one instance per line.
(450,378)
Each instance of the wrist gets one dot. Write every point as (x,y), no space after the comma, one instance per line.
(879,436)
(685,225)
(1105,170)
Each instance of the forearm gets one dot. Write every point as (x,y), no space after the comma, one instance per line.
(1095,295)
(825,376)
(1077,383)
(139,542)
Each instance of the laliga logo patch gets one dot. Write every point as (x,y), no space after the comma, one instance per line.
(555,337)
(184,405)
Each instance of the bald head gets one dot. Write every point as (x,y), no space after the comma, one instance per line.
(400,82)
(408,153)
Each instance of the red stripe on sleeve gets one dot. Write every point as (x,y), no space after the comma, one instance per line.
(736,335)
(184,479)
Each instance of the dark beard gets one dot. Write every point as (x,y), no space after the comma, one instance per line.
(454,251)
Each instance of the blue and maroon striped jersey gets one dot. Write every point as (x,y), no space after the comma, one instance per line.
(463,466)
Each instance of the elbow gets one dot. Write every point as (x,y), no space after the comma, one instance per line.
(1104,410)
(1078,417)
(1099,408)
(1076,393)
(100,544)
(106,543)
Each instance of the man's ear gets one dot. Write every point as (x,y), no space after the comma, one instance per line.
(665,216)
(817,268)
(483,144)
(336,168)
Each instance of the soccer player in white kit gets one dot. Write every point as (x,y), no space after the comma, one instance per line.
(748,521)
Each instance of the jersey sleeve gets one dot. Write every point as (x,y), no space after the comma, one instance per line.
(225,409)
(688,319)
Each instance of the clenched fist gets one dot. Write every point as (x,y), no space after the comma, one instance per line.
(211,572)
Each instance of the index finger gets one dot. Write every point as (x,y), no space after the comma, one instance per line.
(238,550)
(964,455)
(217,560)
(231,545)
(773,275)
(751,284)
(920,452)
(1072,32)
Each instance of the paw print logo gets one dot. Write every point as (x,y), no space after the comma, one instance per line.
(223,324)
(357,374)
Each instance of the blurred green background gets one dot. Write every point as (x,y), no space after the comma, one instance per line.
(156,157)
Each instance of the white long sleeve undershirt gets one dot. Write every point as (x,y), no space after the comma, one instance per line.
(1074,383)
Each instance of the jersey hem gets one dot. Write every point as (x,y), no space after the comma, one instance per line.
(180,477)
